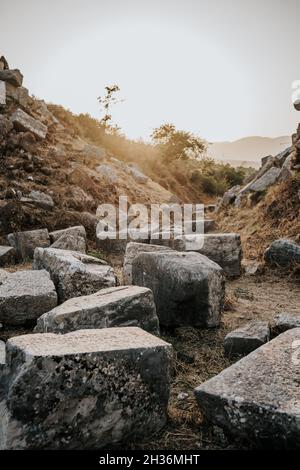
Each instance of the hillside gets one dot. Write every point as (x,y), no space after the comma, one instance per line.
(248,150)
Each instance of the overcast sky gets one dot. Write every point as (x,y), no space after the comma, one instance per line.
(220,68)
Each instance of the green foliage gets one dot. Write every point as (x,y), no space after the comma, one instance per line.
(176,144)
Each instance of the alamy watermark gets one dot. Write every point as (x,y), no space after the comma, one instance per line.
(155,221)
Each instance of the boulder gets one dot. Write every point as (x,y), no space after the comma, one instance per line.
(74,274)
(25,296)
(115,306)
(282,252)
(286,321)
(282,156)
(18,95)
(228,197)
(76,231)
(188,288)
(70,242)
(224,249)
(247,338)
(257,398)
(41,199)
(26,242)
(133,249)
(264,182)
(2,93)
(23,122)
(84,390)
(14,77)
(7,255)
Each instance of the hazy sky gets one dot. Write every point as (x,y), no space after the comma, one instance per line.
(221,68)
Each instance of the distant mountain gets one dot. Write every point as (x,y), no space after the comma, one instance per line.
(248,150)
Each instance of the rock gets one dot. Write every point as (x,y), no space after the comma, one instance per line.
(108,172)
(253,268)
(286,170)
(41,199)
(5,126)
(210,208)
(23,122)
(3,63)
(224,249)
(228,197)
(188,288)
(25,242)
(282,156)
(137,174)
(25,296)
(76,231)
(247,338)
(267,159)
(7,255)
(268,179)
(115,306)
(286,321)
(14,77)
(74,274)
(297,105)
(94,152)
(182,396)
(133,249)
(2,93)
(257,398)
(282,252)
(2,354)
(88,389)
(19,95)
(70,242)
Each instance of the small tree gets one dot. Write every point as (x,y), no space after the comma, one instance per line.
(176,144)
(106,102)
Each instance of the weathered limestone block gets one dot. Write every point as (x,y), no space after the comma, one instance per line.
(108,172)
(14,77)
(7,255)
(2,93)
(283,253)
(70,242)
(84,390)
(258,398)
(19,95)
(115,306)
(188,288)
(247,338)
(133,249)
(286,321)
(23,122)
(224,249)
(25,296)
(26,242)
(76,231)
(74,274)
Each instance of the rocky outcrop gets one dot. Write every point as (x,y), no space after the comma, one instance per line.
(25,243)
(74,274)
(116,306)
(188,288)
(88,389)
(25,296)
(285,253)
(14,77)
(257,398)
(247,338)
